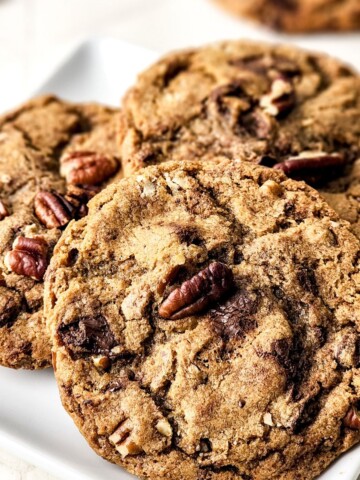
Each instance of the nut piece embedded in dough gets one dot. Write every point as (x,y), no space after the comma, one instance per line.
(164,427)
(4,212)
(271,188)
(52,209)
(87,168)
(268,420)
(352,419)
(196,294)
(28,257)
(101,362)
(312,166)
(123,441)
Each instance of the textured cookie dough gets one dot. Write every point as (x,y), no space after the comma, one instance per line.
(344,197)
(36,202)
(205,320)
(269,104)
(295,16)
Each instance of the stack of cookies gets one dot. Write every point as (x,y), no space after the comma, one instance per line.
(202,313)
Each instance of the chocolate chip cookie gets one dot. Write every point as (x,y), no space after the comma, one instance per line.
(205,319)
(54,156)
(295,16)
(275,105)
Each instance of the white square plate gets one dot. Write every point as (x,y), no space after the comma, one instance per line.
(33,424)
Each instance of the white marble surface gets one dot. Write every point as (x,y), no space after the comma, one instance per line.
(36,35)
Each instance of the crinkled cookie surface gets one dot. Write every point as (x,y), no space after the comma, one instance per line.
(54,156)
(278,106)
(205,321)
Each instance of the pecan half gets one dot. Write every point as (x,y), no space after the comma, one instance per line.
(87,168)
(196,294)
(28,257)
(352,419)
(312,166)
(281,98)
(88,335)
(52,209)
(4,212)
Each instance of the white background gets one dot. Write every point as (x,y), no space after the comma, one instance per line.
(37,35)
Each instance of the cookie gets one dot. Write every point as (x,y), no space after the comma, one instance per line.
(296,16)
(278,106)
(54,156)
(205,320)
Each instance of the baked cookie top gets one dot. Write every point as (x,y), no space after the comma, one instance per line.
(205,320)
(274,105)
(343,195)
(54,156)
(295,16)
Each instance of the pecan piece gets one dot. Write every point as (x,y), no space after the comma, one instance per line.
(352,419)
(28,257)
(281,98)
(196,294)
(123,441)
(52,209)
(4,212)
(87,168)
(312,166)
(88,335)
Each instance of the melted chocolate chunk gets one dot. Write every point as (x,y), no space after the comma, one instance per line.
(87,336)
(307,279)
(10,307)
(234,318)
(188,235)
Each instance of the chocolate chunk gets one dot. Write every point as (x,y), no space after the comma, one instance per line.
(289,5)
(257,124)
(234,318)
(307,279)
(267,161)
(88,335)
(230,101)
(10,306)
(188,235)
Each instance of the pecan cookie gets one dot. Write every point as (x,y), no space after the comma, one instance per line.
(54,156)
(295,16)
(205,319)
(275,105)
